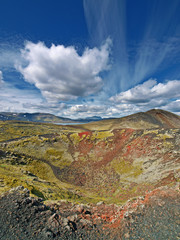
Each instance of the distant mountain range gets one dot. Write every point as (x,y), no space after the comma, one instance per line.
(43,117)
(153,118)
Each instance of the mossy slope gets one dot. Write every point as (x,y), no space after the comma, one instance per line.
(72,163)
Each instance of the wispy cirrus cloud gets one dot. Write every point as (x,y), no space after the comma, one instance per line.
(10,52)
(60,80)
(146,39)
(13,99)
(60,73)
(1,78)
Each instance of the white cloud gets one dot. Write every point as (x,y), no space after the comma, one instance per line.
(61,73)
(149,91)
(100,109)
(173,106)
(85,110)
(148,95)
(54,108)
(141,98)
(9,54)
(15,100)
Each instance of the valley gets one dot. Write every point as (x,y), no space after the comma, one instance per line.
(110,161)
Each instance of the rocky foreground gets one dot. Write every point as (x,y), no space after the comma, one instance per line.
(153,216)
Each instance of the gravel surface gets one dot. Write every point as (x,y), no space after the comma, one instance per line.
(157,217)
(27,218)
(158,220)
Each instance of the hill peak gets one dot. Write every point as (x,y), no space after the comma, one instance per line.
(154,118)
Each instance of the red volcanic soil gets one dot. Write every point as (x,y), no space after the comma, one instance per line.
(84,134)
(99,163)
(120,141)
(92,165)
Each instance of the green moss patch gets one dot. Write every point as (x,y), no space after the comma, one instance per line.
(123,167)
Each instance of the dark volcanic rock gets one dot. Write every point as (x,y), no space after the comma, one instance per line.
(155,216)
(158,218)
(25,218)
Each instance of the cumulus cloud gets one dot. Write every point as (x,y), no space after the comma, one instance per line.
(149,91)
(100,109)
(149,95)
(85,110)
(61,73)
(141,98)
(173,106)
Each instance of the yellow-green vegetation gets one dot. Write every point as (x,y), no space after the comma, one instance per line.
(96,135)
(59,158)
(13,129)
(43,148)
(75,138)
(165,137)
(150,131)
(130,190)
(12,176)
(51,152)
(62,162)
(125,122)
(38,177)
(100,125)
(101,135)
(65,138)
(126,169)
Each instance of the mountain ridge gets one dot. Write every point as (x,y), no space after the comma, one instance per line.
(43,117)
(34,117)
(152,118)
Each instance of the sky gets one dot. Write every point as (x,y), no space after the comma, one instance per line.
(84,58)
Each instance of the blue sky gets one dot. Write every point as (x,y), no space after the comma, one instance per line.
(81,58)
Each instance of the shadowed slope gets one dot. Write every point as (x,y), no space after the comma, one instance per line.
(167,119)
